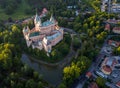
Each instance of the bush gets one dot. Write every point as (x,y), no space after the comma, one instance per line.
(28,11)
(76,43)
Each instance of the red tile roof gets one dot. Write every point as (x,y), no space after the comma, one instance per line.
(107,69)
(118,84)
(44,10)
(107,27)
(116,28)
(93,85)
(113,21)
(88,74)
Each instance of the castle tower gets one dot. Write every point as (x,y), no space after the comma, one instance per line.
(26,30)
(52,19)
(37,22)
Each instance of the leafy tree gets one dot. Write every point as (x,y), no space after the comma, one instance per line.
(83,63)
(62,85)
(40,85)
(76,42)
(101,82)
(19,85)
(85,26)
(70,73)
(30,84)
(35,75)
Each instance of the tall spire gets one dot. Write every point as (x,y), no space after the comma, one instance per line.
(52,18)
(37,19)
(36,12)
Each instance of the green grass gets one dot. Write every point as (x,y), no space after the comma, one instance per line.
(18,14)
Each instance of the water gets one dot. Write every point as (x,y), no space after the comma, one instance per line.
(52,75)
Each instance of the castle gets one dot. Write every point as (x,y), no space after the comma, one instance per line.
(43,35)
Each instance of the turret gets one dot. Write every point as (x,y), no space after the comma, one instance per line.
(52,19)
(26,30)
(37,20)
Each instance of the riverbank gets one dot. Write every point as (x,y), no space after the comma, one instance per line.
(63,62)
(60,64)
(52,75)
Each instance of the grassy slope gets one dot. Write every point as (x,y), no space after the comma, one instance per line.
(18,14)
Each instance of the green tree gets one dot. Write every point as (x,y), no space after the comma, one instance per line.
(70,73)
(83,63)
(30,84)
(62,85)
(101,82)
(76,42)
(35,75)
(40,85)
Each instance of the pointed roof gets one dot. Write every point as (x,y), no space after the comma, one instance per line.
(88,74)
(107,27)
(37,18)
(52,18)
(118,84)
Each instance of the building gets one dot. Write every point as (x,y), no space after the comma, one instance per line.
(116,30)
(88,75)
(107,27)
(118,84)
(44,35)
(44,12)
(104,5)
(112,22)
(115,8)
(113,43)
(109,64)
(93,85)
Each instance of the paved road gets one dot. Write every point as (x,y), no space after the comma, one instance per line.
(69,30)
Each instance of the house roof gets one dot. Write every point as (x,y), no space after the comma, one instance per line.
(112,21)
(93,85)
(116,28)
(118,84)
(44,10)
(53,36)
(107,69)
(88,74)
(107,26)
(109,63)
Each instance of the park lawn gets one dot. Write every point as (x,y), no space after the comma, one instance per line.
(18,14)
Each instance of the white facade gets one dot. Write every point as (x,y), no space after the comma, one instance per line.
(43,35)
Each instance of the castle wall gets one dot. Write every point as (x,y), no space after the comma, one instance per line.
(46,47)
(37,38)
(47,30)
(56,40)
